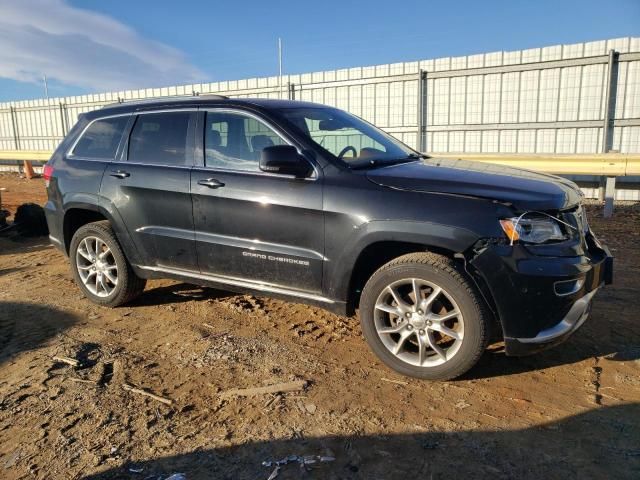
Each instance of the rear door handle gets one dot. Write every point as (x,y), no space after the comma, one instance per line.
(120,174)
(211,183)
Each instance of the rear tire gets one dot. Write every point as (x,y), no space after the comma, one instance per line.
(100,267)
(438,337)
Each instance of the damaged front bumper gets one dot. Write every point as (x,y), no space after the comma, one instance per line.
(541,299)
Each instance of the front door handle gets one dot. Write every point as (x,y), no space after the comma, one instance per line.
(211,183)
(120,174)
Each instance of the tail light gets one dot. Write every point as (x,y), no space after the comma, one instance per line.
(47,173)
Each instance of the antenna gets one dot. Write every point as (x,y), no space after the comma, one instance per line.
(46,87)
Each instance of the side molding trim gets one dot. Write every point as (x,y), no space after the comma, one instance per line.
(238,282)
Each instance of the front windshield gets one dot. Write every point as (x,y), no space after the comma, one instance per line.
(346,137)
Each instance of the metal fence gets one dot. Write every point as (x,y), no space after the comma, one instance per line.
(564,99)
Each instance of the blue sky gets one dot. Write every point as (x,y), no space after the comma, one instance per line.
(91,46)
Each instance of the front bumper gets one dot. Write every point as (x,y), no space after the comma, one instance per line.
(542,300)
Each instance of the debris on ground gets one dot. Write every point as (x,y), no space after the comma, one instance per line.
(294,386)
(397,382)
(69,361)
(139,391)
(304,461)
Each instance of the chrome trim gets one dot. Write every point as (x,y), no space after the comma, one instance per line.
(70,153)
(115,115)
(225,240)
(578,285)
(274,128)
(124,163)
(167,232)
(53,239)
(572,321)
(238,282)
(255,244)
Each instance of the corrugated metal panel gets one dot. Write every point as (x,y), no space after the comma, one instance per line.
(540,100)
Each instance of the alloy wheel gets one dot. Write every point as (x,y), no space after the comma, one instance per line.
(96,266)
(419,322)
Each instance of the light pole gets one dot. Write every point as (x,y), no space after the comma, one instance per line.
(280,65)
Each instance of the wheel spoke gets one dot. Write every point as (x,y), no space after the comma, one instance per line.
(446,331)
(393,329)
(427,302)
(434,346)
(416,291)
(421,349)
(447,316)
(85,254)
(103,285)
(85,267)
(402,305)
(89,275)
(90,251)
(404,336)
(389,309)
(112,278)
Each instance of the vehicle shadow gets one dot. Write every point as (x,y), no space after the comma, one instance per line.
(13,243)
(570,448)
(177,293)
(7,271)
(27,326)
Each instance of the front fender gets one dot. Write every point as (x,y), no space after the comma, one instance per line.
(447,237)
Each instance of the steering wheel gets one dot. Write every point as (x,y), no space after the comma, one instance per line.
(345,150)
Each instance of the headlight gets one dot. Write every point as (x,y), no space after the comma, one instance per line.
(532,230)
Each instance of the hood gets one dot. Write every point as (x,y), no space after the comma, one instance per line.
(524,189)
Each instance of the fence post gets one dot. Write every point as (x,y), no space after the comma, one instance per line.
(608,125)
(610,102)
(14,124)
(291,87)
(63,125)
(422,111)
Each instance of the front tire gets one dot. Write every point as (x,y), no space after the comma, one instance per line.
(100,268)
(423,318)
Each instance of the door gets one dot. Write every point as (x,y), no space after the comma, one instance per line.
(150,188)
(254,226)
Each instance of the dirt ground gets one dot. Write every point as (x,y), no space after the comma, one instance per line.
(568,413)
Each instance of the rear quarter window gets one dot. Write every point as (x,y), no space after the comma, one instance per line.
(101,139)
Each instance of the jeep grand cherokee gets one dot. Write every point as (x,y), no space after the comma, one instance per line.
(309,203)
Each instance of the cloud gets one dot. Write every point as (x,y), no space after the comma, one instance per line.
(82,48)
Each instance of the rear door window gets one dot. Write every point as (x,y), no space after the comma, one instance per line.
(160,138)
(101,139)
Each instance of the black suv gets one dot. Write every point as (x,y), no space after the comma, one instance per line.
(312,204)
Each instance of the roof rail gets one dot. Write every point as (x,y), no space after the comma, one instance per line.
(175,98)
(211,95)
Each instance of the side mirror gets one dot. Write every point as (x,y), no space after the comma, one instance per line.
(285,160)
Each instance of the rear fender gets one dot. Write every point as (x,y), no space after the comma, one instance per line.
(81,202)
